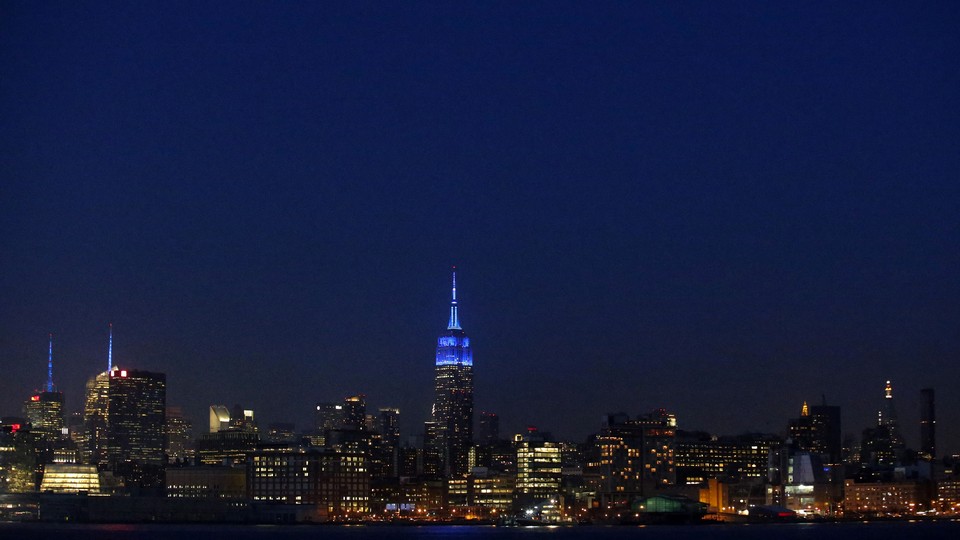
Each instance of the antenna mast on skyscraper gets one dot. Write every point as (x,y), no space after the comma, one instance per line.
(110,350)
(50,365)
(454,317)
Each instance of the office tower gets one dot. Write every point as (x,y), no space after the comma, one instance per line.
(887,417)
(390,425)
(95,414)
(136,417)
(44,410)
(328,416)
(488,432)
(801,429)
(539,468)
(701,456)
(387,453)
(453,404)
(432,463)
(928,425)
(629,458)
(817,431)
(179,436)
(330,485)
(883,445)
(125,426)
(827,435)
(355,413)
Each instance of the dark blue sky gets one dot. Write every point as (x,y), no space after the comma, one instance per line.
(722,209)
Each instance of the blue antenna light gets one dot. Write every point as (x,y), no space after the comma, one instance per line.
(110,351)
(50,365)
(454,323)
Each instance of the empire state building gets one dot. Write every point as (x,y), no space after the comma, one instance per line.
(453,403)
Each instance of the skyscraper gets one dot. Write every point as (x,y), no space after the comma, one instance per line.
(96,404)
(179,435)
(136,417)
(887,416)
(328,416)
(44,410)
(883,445)
(489,428)
(453,402)
(355,412)
(827,435)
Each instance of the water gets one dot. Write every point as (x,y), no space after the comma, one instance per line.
(786,531)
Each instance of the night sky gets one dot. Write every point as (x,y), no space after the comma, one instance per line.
(723,209)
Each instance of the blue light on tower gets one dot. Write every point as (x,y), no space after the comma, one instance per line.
(454,347)
(50,365)
(453,400)
(110,351)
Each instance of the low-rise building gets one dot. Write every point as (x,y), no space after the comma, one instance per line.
(336,484)
(886,498)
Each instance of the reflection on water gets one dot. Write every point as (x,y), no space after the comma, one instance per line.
(803,531)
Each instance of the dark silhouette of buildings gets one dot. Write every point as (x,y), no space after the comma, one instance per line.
(488,431)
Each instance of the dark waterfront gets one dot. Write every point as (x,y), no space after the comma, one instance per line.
(804,531)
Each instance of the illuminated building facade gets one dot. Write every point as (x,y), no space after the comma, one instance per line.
(233,435)
(453,403)
(539,467)
(93,448)
(58,478)
(386,452)
(136,417)
(44,410)
(337,483)
(630,457)
(228,447)
(206,482)
(179,436)
(483,494)
(948,496)
(219,418)
(355,413)
(701,457)
(328,416)
(886,498)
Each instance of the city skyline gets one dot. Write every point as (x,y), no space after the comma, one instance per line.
(883,407)
(723,210)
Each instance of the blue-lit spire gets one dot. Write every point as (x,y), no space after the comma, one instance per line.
(110,350)
(454,323)
(50,365)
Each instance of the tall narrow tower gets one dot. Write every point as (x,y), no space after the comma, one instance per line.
(453,403)
(50,365)
(110,351)
(928,425)
(887,417)
(44,410)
